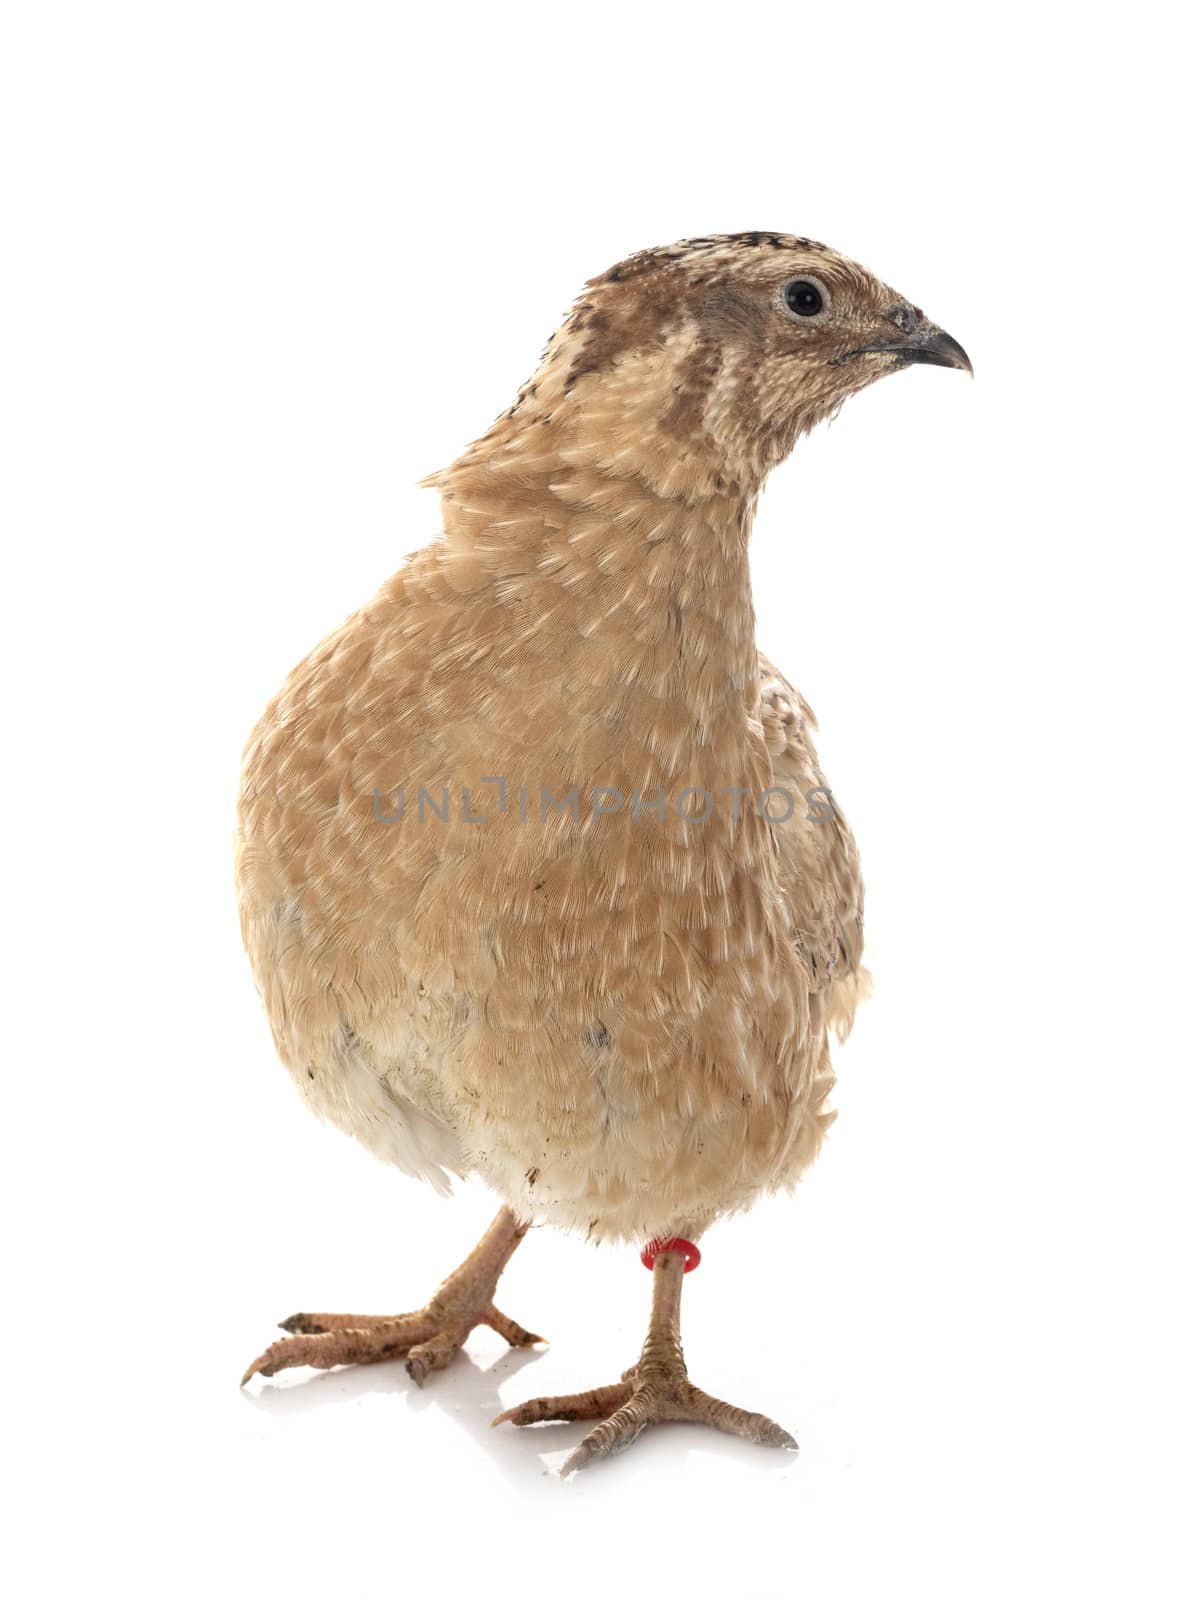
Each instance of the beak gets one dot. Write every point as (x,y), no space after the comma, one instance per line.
(928,345)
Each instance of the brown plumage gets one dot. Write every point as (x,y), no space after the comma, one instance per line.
(615,1008)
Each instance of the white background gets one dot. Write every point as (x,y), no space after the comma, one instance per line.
(267,265)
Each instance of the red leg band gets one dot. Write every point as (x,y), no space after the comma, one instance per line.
(685,1247)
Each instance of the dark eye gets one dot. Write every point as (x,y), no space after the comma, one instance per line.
(804,297)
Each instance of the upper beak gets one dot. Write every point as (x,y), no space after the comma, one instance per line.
(927,345)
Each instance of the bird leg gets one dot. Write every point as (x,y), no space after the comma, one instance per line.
(429,1338)
(655,1389)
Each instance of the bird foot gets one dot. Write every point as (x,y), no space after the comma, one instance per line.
(428,1339)
(651,1391)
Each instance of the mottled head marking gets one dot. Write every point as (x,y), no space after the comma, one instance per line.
(631,304)
(692,363)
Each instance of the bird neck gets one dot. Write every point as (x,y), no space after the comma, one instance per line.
(643,595)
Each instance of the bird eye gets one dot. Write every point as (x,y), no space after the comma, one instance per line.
(805,297)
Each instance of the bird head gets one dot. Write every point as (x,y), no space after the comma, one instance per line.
(700,364)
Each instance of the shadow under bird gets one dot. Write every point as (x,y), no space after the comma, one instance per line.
(539,876)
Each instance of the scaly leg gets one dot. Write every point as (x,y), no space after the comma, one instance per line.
(656,1389)
(429,1339)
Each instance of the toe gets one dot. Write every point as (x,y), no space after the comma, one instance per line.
(417,1324)
(272,1360)
(615,1434)
(510,1330)
(322,1350)
(584,1407)
(341,1347)
(434,1354)
(697,1406)
(305,1322)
